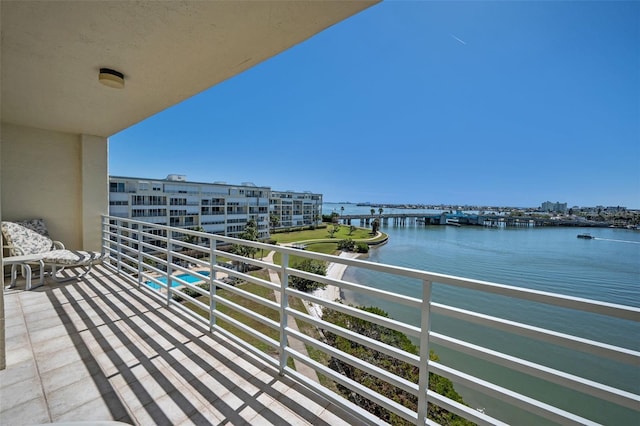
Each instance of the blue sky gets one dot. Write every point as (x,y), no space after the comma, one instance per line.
(482,103)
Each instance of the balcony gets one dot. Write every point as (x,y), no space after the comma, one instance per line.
(103,349)
(113,348)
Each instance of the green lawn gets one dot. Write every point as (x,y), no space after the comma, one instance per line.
(320,247)
(323,247)
(318,234)
(319,240)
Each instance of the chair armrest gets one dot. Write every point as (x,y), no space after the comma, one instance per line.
(58,245)
(17,250)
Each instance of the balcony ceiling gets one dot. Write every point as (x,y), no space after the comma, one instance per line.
(168,51)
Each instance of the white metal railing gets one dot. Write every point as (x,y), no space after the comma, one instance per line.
(152,255)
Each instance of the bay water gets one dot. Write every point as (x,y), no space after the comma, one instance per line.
(606,268)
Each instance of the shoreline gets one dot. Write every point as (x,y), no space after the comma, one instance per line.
(330,292)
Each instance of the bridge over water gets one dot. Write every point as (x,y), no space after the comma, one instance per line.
(445,218)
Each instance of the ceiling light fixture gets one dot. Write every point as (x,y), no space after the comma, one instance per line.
(111,78)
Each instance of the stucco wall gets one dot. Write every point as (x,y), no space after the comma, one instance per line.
(59,177)
(95,189)
(3,349)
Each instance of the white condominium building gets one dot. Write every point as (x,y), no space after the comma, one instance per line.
(295,209)
(217,208)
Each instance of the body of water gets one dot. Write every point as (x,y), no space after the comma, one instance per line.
(606,268)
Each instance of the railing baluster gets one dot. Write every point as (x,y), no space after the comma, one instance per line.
(169,263)
(212,277)
(425,329)
(140,257)
(103,233)
(283,312)
(119,239)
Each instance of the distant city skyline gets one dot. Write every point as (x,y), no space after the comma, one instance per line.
(477,103)
(539,206)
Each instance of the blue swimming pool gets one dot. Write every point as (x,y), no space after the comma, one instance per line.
(184,277)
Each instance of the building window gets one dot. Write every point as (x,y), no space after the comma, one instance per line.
(116,186)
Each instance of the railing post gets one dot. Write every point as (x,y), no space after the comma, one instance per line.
(104,235)
(213,276)
(283,311)
(119,239)
(425,328)
(169,263)
(140,257)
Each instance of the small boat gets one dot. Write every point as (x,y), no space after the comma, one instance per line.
(586,236)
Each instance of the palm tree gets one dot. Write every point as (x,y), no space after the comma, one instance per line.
(375,225)
(274,220)
(192,239)
(250,233)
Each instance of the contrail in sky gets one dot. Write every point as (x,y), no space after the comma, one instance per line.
(456,38)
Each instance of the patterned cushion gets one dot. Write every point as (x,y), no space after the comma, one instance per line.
(24,241)
(72,257)
(37,225)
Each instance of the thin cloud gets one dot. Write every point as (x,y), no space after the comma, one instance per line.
(456,38)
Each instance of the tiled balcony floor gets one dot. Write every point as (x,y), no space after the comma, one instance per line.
(98,349)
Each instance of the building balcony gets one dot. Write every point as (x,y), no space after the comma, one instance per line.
(162,220)
(123,345)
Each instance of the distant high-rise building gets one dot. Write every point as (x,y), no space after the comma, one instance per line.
(556,207)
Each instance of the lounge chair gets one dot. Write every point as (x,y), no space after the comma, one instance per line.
(28,243)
